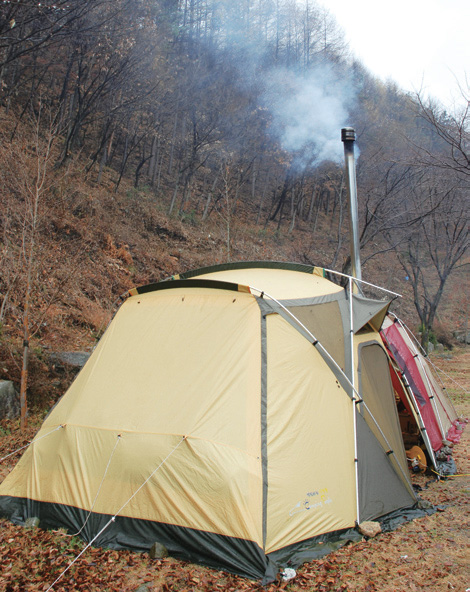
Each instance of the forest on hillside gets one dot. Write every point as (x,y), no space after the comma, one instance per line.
(210,110)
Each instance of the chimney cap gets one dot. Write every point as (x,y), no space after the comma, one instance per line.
(348,134)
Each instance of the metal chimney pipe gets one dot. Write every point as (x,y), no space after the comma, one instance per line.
(348,137)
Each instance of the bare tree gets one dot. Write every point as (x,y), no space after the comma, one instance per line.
(437,239)
(26,175)
(453,131)
(439,236)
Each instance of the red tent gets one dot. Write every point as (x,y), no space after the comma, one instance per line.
(432,407)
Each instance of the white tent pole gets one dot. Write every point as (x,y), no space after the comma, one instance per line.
(421,423)
(430,388)
(417,347)
(316,343)
(433,396)
(362,282)
(412,400)
(353,380)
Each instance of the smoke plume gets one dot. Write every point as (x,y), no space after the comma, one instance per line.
(308,111)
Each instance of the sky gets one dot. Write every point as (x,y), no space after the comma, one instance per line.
(423,45)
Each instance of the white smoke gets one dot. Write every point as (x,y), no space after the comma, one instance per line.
(308,111)
(307,105)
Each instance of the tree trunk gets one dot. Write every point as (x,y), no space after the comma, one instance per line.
(209,197)
(175,194)
(282,197)
(173,141)
(152,172)
(23,387)
(261,201)
(312,203)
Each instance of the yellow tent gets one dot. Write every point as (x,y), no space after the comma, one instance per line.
(237,414)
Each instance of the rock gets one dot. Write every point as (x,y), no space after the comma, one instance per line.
(430,347)
(143,588)
(424,505)
(369,529)
(288,574)
(441,454)
(440,348)
(462,337)
(32,522)
(158,551)
(75,359)
(9,400)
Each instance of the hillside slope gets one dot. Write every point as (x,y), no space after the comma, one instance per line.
(71,247)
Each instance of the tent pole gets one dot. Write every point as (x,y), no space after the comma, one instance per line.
(437,370)
(354,400)
(356,280)
(421,424)
(317,343)
(430,388)
(414,404)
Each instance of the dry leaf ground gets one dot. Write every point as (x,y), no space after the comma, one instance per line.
(431,553)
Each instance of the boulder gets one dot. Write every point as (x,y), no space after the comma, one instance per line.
(462,336)
(9,400)
(32,522)
(74,359)
(369,529)
(158,551)
(288,574)
(424,505)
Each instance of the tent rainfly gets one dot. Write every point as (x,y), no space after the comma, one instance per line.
(425,403)
(239,415)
